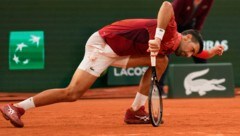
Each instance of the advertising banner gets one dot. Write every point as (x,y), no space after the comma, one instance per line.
(201,80)
(121,76)
(26,50)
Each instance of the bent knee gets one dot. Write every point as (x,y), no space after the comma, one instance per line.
(72,94)
(163,60)
(162,63)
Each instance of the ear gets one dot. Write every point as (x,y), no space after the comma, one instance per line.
(189,36)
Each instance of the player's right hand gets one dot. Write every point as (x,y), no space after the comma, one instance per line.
(154,46)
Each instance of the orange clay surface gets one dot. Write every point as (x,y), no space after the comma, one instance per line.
(103,116)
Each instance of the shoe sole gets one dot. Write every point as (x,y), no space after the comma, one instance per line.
(138,122)
(12,122)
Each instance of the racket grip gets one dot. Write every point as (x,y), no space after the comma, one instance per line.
(153,58)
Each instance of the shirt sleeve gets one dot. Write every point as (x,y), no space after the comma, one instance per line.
(203,55)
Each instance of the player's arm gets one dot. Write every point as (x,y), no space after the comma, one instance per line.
(165,14)
(206,54)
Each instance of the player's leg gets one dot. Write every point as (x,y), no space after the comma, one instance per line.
(137,114)
(162,62)
(81,81)
(90,68)
(162,80)
(79,84)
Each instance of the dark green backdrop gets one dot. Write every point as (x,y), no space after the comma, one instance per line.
(67,24)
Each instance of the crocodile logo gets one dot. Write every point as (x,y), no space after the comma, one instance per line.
(201,85)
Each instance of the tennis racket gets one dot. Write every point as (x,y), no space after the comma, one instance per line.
(155,104)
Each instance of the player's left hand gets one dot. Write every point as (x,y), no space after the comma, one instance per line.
(218,50)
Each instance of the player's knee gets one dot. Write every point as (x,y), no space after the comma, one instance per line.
(72,94)
(165,59)
(162,62)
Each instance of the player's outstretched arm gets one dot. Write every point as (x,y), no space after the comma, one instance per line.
(206,54)
(217,50)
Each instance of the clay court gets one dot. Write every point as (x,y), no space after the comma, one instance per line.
(101,112)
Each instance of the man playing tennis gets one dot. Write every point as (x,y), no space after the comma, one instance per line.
(125,43)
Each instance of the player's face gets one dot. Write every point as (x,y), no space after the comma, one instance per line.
(187,48)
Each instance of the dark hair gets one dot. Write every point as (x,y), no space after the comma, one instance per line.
(196,37)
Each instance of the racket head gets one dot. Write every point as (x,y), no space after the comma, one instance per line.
(155,101)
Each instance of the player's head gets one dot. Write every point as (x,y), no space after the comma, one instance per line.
(191,43)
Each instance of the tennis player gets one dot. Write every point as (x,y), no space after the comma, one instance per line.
(124,43)
(189,14)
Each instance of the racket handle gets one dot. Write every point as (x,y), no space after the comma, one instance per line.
(153,58)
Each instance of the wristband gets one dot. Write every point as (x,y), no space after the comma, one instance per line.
(159,33)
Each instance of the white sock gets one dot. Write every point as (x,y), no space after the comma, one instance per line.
(26,104)
(139,101)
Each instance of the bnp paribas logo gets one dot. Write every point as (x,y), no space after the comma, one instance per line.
(26,50)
